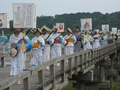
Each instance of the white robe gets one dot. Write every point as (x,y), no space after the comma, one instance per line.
(37,52)
(87,45)
(46,50)
(17,63)
(56,47)
(102,43)
(70,46)
(106,41)
(96,43)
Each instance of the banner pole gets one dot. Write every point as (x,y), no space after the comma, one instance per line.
(3,44)
(24,59)
(3,61)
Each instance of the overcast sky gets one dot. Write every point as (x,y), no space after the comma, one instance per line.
(53,7)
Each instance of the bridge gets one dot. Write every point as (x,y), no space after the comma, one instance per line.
(88,68)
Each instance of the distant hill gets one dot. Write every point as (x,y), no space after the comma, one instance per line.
(72,20)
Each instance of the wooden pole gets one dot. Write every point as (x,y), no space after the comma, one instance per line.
(24,60)
(3,44)
(3,58)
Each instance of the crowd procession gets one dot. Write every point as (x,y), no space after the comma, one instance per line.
(48,46)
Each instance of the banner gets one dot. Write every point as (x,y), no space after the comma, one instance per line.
(86,24)
(24,15)
(97,30)
(105,28)
(114,30)
(4,20)
(118,32)
(61,27)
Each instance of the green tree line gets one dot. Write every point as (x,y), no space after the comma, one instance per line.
(73,19)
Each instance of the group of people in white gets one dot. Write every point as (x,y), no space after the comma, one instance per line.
(48,46)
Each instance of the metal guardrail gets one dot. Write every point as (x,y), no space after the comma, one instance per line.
(77,62)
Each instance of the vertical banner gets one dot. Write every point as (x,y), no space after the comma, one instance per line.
(4,20)
(61,27)
(114,30)
(24,15)
(118,32)
(86,24)
(105,28)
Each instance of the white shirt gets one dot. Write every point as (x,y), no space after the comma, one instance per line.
(14,40)
(67,37)
(50,38)
(54,36)
(35,39)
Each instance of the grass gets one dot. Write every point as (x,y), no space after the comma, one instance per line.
(116,85)
(70,86)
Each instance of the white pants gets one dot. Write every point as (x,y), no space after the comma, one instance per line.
(85,47)
(96,44)
(68,50)
(37,57)
(55,51)
(46,53)
(17,64)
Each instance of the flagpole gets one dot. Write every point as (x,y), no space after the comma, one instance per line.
(24,55)
(3,49)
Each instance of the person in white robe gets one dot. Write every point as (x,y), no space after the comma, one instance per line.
(17,62)
(71,39)
(96,40)
(38,45)
(105,37)
(48,41)
(56,46)
(90,38)
(101,39)
(85,40)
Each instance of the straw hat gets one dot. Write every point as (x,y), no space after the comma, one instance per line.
(83,32)
(46,28)
(88,32)
(13,29)
(105,33)
(69,30)
(37,30)
(100,32)
(55,28)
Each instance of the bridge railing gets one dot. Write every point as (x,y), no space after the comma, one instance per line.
(81,61)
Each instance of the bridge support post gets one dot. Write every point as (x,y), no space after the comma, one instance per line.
(96,73)
(63,69)
(80,85)
(102,75)
(41,78)
(3,62)
(26,85)
(111,77)
(52,72)
(81,79)
(117,62)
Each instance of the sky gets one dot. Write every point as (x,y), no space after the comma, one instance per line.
(53,7)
